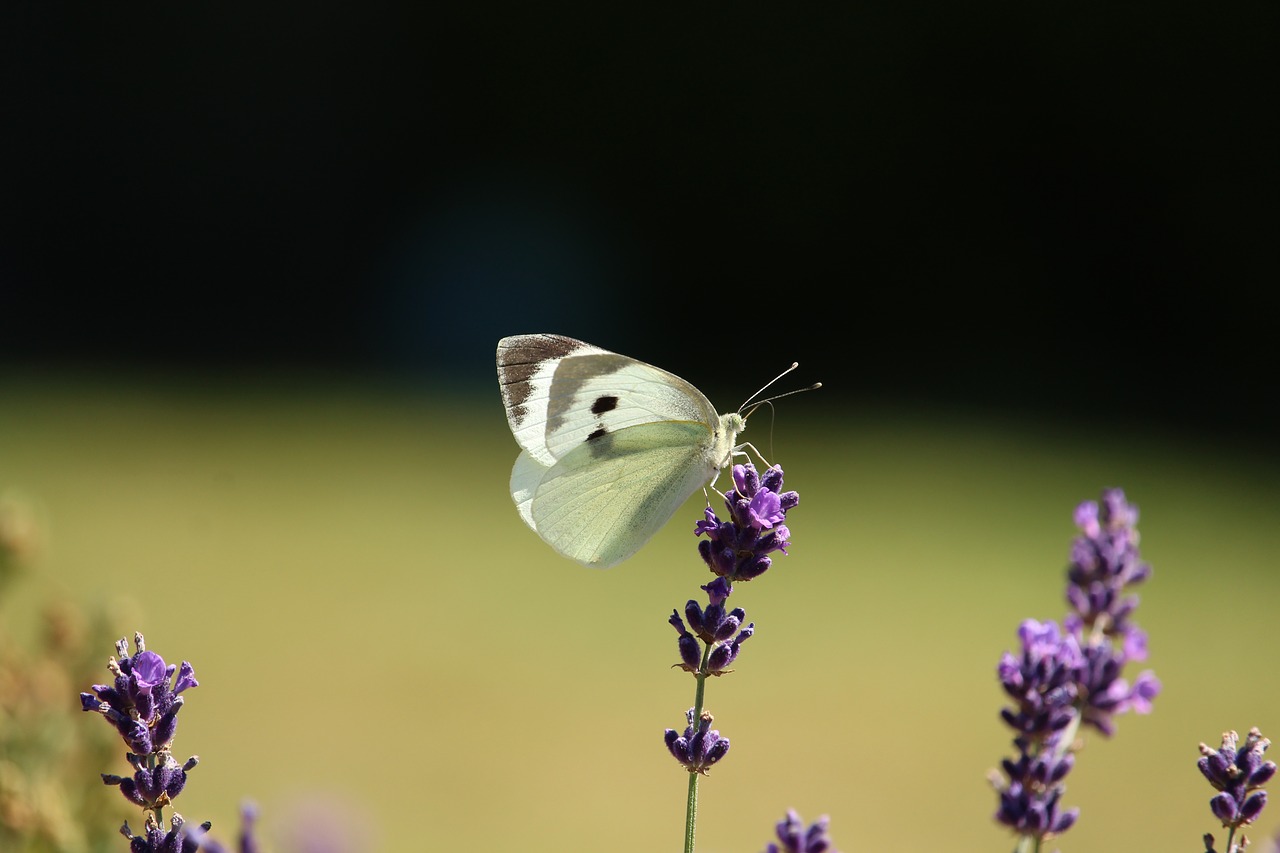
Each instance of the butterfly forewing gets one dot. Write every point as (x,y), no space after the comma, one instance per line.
(560,392)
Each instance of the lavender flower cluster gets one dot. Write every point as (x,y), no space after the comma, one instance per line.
(1238,772)
(1070,675)
(142,703)
(711,635)
(736,549)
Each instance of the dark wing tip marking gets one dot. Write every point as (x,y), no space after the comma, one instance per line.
(519,358)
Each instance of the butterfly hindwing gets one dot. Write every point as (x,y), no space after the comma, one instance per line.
(598,505)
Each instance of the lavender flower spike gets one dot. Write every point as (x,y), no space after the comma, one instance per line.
(738,549)
(795,838)
(140,702)
(1069,675)
(1104,563)
(1238,772)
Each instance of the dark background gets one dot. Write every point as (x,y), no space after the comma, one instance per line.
(1062,210)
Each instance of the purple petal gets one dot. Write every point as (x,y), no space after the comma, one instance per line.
(149,670)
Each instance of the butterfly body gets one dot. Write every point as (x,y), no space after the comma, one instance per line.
(611,446)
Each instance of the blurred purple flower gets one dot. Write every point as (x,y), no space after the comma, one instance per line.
(794,837)
(1070,675)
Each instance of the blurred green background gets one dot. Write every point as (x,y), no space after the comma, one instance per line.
(382,646)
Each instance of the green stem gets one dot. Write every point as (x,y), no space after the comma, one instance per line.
(691,813)
(691,802)
(1027,844)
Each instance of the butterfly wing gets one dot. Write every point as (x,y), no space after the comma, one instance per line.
(612,446)
(558,392)
(602,501)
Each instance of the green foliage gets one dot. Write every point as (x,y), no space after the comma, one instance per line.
(52,799)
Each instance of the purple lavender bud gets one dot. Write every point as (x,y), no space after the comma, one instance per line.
(1064,821)
(718,590)
(1262,775)
(753,567)
(144,704)
(697,749)
(167,725)
(1145,688)
(712,616)
(1214,767)
(136,736)
(129,788)
(721,656)
(729,625)
(107,694)
(1225,809)
(149,785)
(1134,645)
(776,540)
(1086,518)
(692,612)
(1253,807)
(170,779)
(123,687)
(186,678)
(690,652)
(708,525)
(89,703)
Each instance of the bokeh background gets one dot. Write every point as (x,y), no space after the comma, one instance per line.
(254,263)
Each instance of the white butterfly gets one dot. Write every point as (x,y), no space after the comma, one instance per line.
(611,446)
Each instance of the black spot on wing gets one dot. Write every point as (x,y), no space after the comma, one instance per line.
(600,441)
(604,404)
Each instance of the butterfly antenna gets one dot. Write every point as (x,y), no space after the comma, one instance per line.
(766,385)
(769,400)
